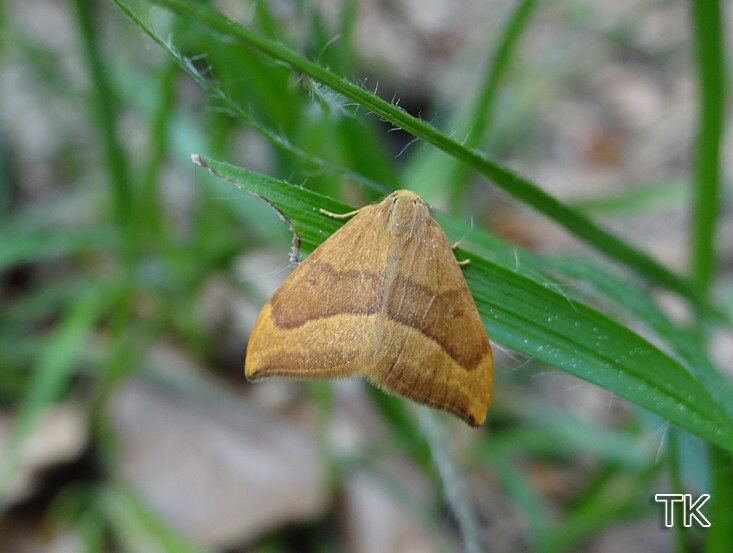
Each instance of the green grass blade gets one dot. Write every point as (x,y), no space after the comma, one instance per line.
(52,244)
(454,487)
(551,430)
(105,110)
(603,508)
(708,37)
(719,536)
(51,375)
(577,339)
(681,535)
(521,188)
(515,482)
(137,528)
(641,307)
(429,169)
(626,297)
(535,320)
(279,140)
(638,198)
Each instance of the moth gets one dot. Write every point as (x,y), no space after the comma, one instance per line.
(383,298)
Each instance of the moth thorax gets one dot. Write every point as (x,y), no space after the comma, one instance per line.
(404,215)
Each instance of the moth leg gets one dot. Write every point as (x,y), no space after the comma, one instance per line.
(465,261)
(339,215)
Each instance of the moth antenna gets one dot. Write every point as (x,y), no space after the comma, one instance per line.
(339,215)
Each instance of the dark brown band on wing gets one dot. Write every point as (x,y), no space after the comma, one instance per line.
(449,318)
(324,292)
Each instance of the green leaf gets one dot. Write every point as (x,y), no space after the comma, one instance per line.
(534,319)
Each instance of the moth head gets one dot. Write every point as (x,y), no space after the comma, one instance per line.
(406,211)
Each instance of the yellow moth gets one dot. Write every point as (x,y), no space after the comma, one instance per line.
(385,299)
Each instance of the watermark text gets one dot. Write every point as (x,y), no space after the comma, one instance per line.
(689,509)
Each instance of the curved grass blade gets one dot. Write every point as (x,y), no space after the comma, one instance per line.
(512,182)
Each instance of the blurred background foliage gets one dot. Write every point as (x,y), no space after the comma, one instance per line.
(130,279)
